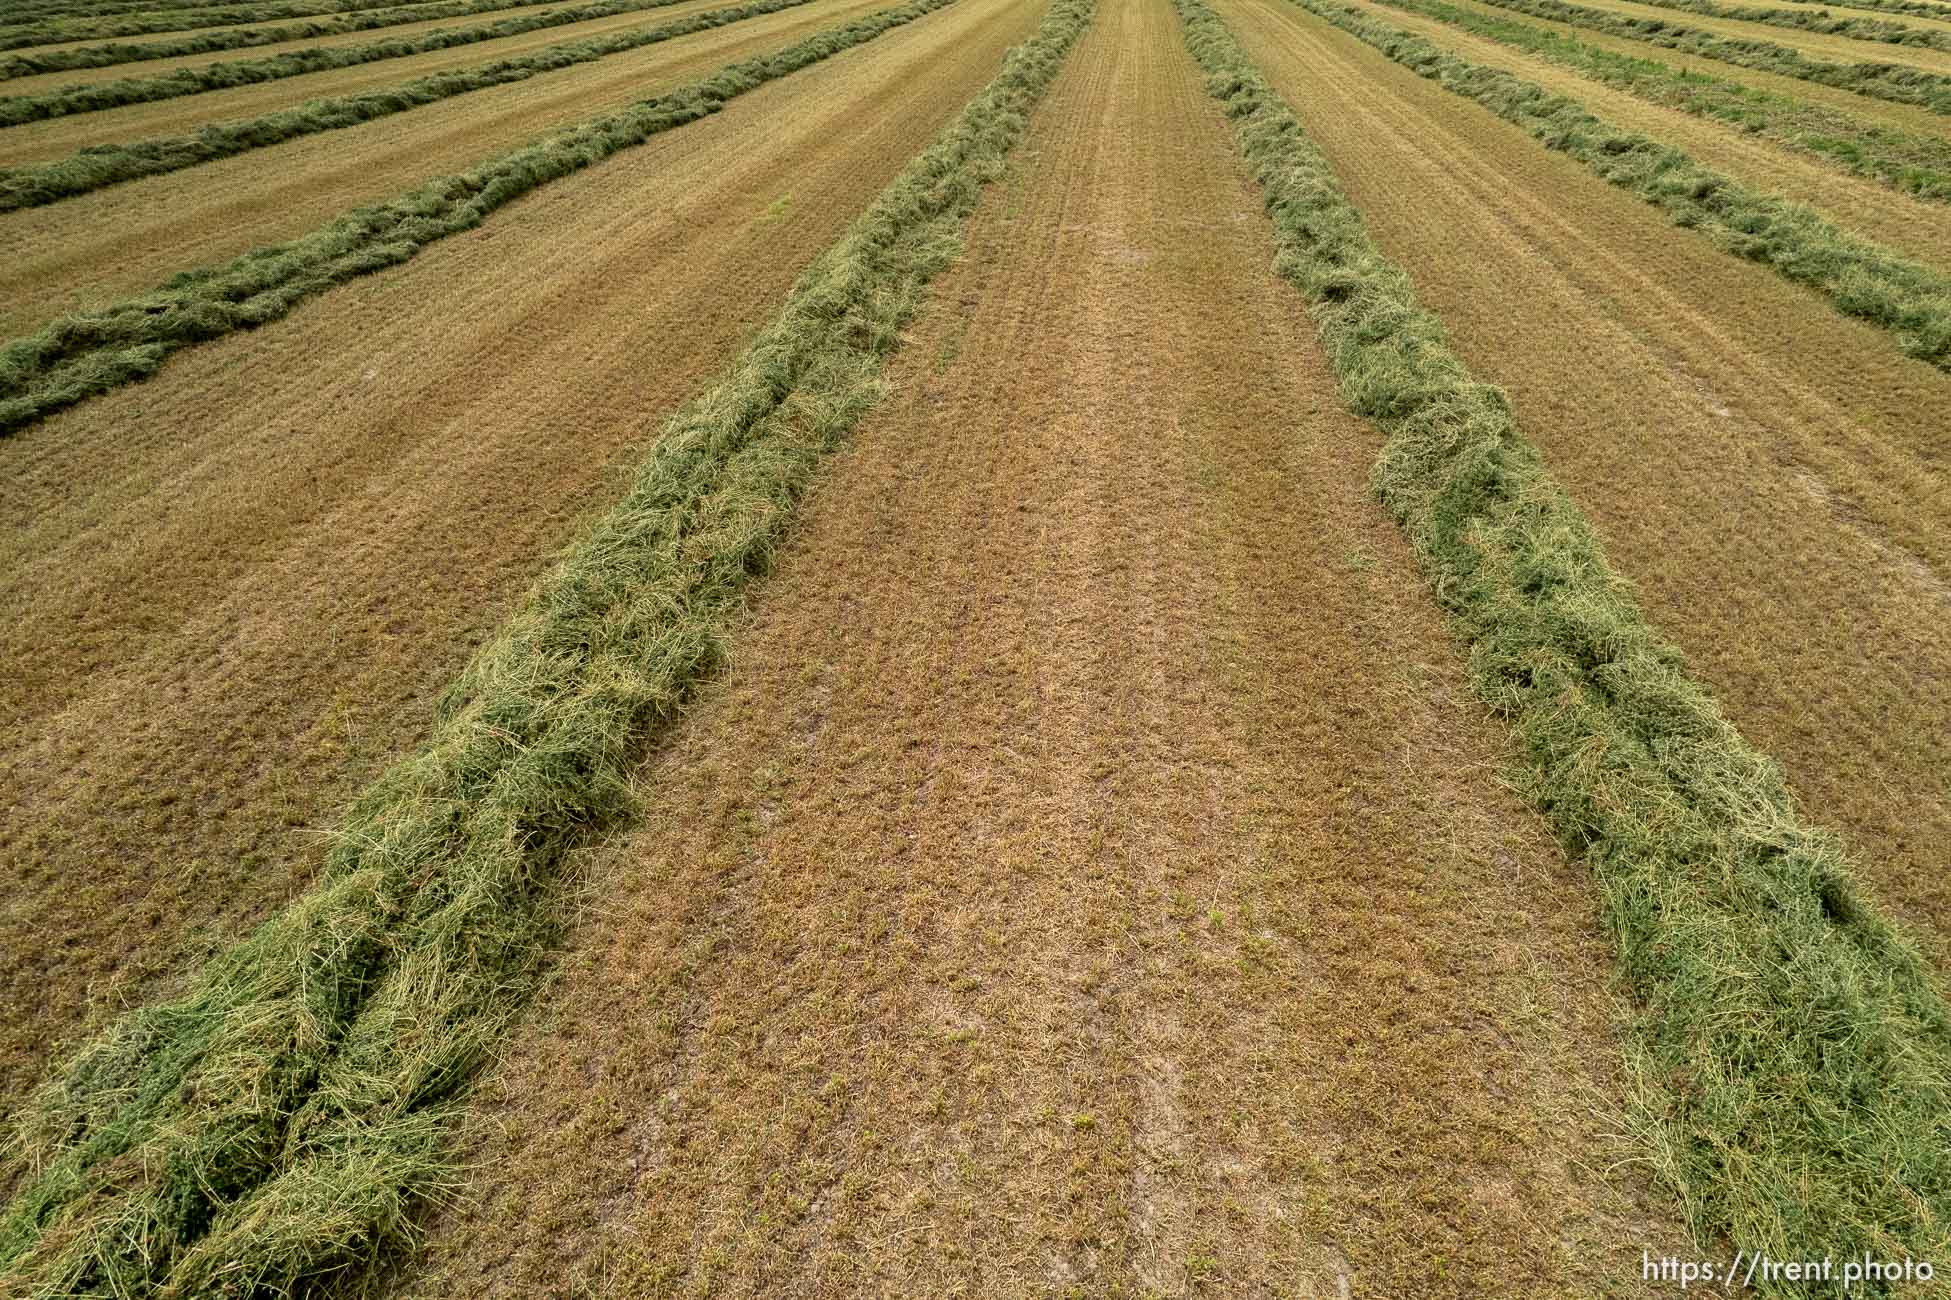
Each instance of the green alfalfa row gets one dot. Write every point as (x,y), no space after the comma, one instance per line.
(329,21)
(1889,81)
(1859,278)
(284,1119)
(78,356)
(1791,1054)
(94,96)
(1916,164)
(104,165)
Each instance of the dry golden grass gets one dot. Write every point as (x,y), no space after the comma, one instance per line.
(102,247)
(232,592)
(60,136)
(41,83)
(1769,472)
(1091,879)
(1914,227)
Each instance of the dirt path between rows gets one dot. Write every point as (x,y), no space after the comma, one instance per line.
(1771,474)
(102,247)
(1909,226)
(231,594)
(1092,878)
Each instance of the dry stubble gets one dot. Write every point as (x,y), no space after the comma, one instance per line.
(1771,474)
(1091,878)
(234,591)
(101,247)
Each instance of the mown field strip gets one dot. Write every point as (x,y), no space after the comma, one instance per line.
(1798,1106)
(1921,48)
(1855,27)
(23,82)
(274,548)
(56,138)
(1883,80)
(1859,278)
(357,1016)
(1932,13)
(78,356)
(95,96)
(1095,827)
(25,187)
(1911,119)
(1915,164)
(95,250)
(240,29)
(1758,159)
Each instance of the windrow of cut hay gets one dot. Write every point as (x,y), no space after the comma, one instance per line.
(1915,164)
(1859,278)
(78,356)
(282,1120)
(333,21)
(1821,21)
(1791,1056)
(90,97)
(103,165)
(1889,81)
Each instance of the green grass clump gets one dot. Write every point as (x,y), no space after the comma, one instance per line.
(1916,164)
(1792,1056)
(283,1121)
(94,168)
(155,20)
(1859,278)
(93,96)
(79,356)
(1890,81)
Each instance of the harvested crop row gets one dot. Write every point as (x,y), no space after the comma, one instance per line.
(1095,828)
(1823,24)
(1860,279)
(1912,163)
(1767,1128)
(95,250)
(26,187)
(445,878)
(198,11)
(93,96)
(1804,39)
(298,564)
(248,23)
(81,355)
(1900,85)
(1676,109)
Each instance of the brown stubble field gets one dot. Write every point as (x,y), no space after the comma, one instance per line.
(234,592)
(1902,117)
(1092,877)
(1772,475)
(1815,45)
(1913,227)
(104,246)
(42,82)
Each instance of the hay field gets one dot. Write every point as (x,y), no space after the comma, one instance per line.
(976,647)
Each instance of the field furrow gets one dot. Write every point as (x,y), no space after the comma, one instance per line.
(1705,407)
(1091,878)
(1909,226)
(96,249)
(282,549)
